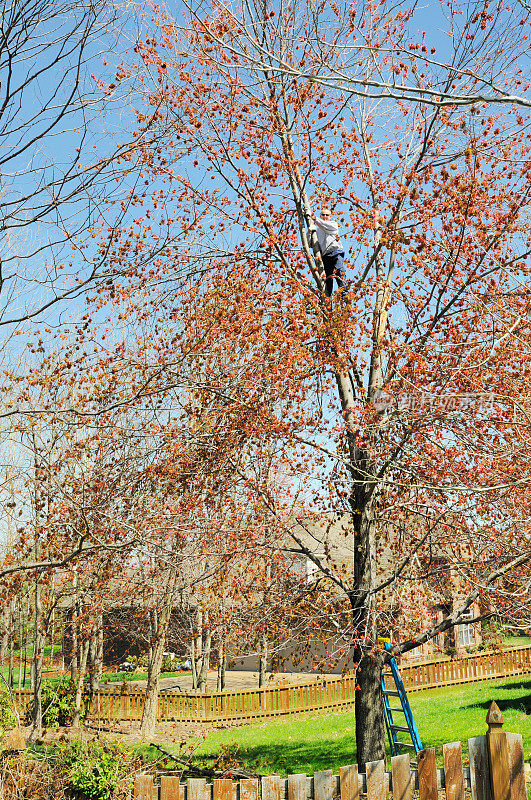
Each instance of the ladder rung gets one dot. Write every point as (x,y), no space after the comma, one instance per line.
(400,728)
(397,709)
(391,692)
(388,674)
(405,744)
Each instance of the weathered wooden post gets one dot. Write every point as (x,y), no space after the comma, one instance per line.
(207,704)
(284,700)
(124,701)
(427,774)
(144,787)
(170,788)
(500,778)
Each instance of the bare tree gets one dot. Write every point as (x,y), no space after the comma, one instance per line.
(290,107)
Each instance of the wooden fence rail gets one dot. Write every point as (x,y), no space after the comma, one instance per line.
(495,772)
(317,695)
(476,667)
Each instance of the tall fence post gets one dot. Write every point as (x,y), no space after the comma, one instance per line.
(124,701)
(500,779)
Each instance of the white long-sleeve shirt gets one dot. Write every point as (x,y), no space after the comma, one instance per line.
(328,235)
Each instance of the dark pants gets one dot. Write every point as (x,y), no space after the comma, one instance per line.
(333,267)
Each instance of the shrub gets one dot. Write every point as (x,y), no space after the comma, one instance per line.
(140,662)
(7,717)
(95,770)
(58,704)
(70,772)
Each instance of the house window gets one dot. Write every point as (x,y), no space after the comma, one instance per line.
(417,652)
(466,633)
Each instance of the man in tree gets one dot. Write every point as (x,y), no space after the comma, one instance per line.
(332,250)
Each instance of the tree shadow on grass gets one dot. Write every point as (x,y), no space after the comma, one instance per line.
(290,758)
(522,702)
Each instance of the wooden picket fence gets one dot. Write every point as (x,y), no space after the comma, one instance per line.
(475,667)
(324,694)
(495,772)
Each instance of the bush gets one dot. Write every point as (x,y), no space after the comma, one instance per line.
(95,770)
(7,717)
(70,772)
(140,662)
(58,704)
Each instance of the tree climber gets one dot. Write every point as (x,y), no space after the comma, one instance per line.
(332,251)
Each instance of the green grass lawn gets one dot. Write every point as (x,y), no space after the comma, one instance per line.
(111,677)
(4,669)
(315,742)
(516,641)
(107,677)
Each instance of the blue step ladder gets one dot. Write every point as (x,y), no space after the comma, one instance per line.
(396,702)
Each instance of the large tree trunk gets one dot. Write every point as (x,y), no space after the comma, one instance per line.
(370,723)
(149,714)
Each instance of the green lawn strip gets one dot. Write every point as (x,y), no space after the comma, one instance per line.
(4,669)
(516,641)
(47,652)
(112,677)
(107,677)
(311,742)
